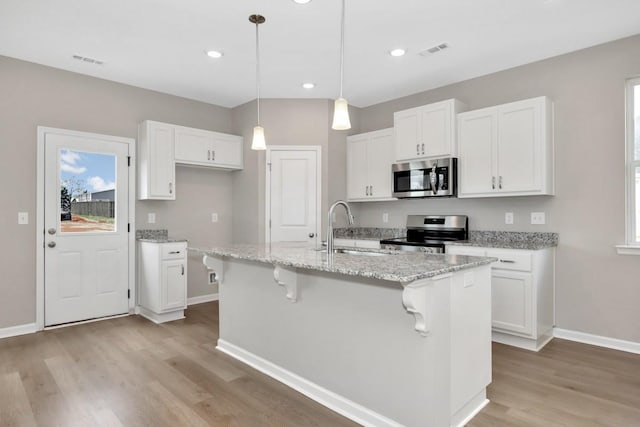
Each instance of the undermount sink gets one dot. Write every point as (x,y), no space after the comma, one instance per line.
(356,252)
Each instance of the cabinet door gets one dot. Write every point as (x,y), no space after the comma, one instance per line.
(193,146)
(380,151)
(357,181)
(226,151)
(437,135)
(512,302)
(174,285)
(407,130)
(157,163)
(520,146)
(477,137)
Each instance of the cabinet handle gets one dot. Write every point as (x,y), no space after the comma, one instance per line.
(371,190)
(507,261)
(213,155)
(366,190)
(417,148)
(208,154)
(174,252)
(493,182)
(182,269)
(500,182)
(171,188)
(422,148)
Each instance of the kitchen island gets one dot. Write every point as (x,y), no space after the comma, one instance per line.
(386,339)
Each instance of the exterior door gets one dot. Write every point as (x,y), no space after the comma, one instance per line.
(293,194)
(86,252)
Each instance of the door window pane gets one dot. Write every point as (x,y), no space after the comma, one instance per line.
(636,121)
(87,192)
(637,207)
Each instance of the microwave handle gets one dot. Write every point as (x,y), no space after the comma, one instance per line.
(433,179)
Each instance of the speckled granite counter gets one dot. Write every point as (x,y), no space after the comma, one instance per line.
(156,236)
(510,240)
(393,266)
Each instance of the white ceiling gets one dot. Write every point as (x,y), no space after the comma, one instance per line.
(160,44)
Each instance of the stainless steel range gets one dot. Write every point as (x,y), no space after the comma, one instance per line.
(427,233)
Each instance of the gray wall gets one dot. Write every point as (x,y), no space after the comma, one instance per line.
(597,291)
(286,122)
(35,95)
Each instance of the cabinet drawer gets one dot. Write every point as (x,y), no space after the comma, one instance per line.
(511,260)
(174,251)
(466,250)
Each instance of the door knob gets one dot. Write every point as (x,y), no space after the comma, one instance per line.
(51,231)
(312,235)
(51,244)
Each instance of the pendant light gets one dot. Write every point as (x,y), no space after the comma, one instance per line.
(341,106)
(258,142)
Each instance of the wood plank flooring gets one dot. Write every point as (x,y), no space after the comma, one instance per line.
(131,372)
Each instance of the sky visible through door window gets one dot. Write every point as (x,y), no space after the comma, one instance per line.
(87,191)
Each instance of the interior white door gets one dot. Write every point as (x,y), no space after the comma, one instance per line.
(294,188)
(86,268)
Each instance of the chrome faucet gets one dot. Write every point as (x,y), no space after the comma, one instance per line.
(330,223)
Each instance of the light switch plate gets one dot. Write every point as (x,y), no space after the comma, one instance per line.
(538,218)
(23,218)
(151,218)
(385,217)
(508,218)
(214,217)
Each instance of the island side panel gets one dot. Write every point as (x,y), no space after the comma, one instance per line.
(349,335)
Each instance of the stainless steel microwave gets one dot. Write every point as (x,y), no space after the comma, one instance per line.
(425,178)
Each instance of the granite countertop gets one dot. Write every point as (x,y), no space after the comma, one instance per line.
(395,266)
(509,240)
(161,240)
(156,236)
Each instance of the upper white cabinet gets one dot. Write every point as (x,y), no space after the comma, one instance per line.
(161,146)
(506,150)
(156,168)
(369,160)
(428,131)
(205,148)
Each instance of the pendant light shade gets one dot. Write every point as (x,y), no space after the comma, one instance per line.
(341,115)
(258,142)
(341,106)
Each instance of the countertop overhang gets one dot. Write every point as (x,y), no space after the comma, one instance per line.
(395,266)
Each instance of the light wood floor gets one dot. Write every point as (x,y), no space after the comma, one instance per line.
(130,372)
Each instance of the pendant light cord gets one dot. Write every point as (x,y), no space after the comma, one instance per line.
(342,49)
(258,71)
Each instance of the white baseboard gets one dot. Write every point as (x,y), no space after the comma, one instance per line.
(14,331)
(331,400)
(203,298)
(613,343)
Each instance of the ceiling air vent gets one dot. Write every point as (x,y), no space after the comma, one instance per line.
(434,49)
(88,60)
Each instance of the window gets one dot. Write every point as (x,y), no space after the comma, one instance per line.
(633,161)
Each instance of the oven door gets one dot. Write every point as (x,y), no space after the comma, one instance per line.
(428,178)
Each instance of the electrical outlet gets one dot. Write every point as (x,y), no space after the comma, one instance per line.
(23,218)
(538,218)
(214,217)
(508,218)
(385,217)
(151,218)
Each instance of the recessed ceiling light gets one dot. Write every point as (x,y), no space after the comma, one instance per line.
(397,52)
(308,85)
(214,54)
(301,1)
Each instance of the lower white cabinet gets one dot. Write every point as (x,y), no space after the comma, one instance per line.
(162,280)
(522,294)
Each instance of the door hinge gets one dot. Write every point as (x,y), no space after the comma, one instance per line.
(128,227)
(128,293)
(129,161)
(269,223)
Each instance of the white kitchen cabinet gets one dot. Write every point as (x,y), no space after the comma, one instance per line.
(162,280)
(357,243)
(428,131)
(506,150)
(522,288)
(156,166)
(206,148)
(369,160)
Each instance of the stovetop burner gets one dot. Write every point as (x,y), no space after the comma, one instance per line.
(430,231)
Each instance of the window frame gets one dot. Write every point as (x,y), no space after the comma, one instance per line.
(631,163)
